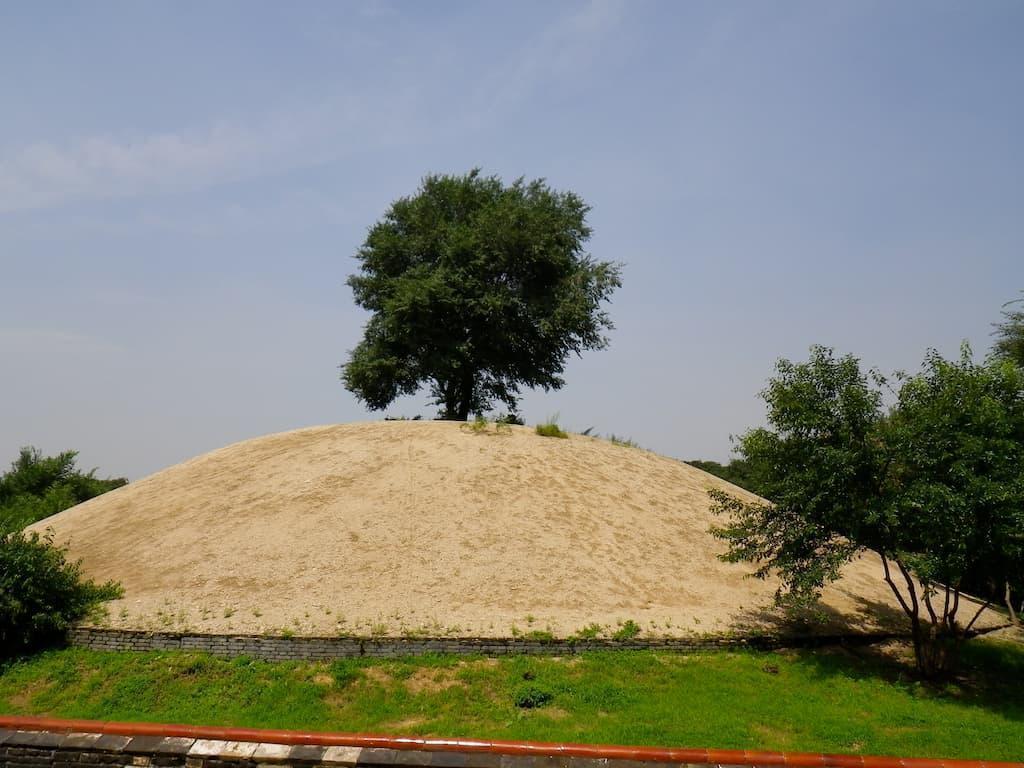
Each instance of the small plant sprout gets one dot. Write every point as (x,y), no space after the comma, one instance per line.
(627,630)
(550,428)
(624,442)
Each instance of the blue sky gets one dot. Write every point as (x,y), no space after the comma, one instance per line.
(183,187)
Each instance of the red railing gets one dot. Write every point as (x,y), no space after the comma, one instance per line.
(521,748)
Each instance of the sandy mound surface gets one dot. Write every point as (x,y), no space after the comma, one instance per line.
(428,528)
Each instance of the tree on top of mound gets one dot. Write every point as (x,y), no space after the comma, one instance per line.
(477,289)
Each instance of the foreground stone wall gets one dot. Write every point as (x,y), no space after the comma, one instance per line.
(311,648)
(49,743)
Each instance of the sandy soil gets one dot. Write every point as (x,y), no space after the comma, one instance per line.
(426,527)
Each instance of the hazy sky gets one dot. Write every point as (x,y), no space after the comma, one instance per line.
(183,186)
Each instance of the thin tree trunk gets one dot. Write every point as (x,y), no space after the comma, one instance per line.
(985,605)
(1009,604)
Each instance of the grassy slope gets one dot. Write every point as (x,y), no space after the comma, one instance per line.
(807,701)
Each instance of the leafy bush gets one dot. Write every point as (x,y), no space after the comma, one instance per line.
(38,486)
(531,696)
(41,592)
(627,630)
(550,428)
(590,632)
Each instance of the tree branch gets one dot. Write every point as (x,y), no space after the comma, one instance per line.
(983,607)
(910,588)
(895,590)
(928,602)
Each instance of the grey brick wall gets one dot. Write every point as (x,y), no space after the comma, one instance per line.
(313,648)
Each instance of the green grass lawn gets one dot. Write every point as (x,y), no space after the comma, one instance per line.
(824,700)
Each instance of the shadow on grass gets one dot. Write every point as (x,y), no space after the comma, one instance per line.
(989,674)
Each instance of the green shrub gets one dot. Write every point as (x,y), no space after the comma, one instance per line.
(41,593)
(627,630)
(478,425)
(38,486)
(550,428)
(589,632)
(531,696)
(544,635)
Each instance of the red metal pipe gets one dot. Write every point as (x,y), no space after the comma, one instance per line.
(522,748)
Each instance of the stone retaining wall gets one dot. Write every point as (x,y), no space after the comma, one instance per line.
(279,648)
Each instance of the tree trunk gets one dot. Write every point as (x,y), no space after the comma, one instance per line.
(456,403)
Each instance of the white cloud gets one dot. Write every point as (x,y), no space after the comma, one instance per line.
(44,174)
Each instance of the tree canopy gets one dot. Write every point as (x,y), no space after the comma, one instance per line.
(38,486)
(42,592)
(1010,333)
(736,471)
(476,289)
(934,485)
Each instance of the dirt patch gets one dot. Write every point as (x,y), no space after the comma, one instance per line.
(23,698)
(553,713)
(427,680)
(378,675)
(408,724)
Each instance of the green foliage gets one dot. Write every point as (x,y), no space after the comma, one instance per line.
(627,630)
(544,635)
(551,429)
(624,442)
(935,485)
(590,632)
(38,486)
(739,472)
(476,289)
(531,696)
(846,700)
(509,419)
(41,593)
(1010,334)
(478,425)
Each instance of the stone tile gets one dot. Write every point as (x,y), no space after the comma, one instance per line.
(175,745)
(140,745)
(239,750)
(341,755)
(307,753)
(275,753)
(108,742)
(411,757)
(38,739)
(81,740)
(207,748)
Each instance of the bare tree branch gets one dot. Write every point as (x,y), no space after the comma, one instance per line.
(895,590)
